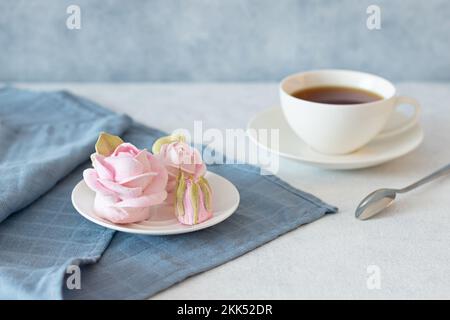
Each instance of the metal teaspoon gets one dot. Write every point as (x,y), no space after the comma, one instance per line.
(380,199)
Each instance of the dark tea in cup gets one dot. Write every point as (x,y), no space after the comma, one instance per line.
(336,95)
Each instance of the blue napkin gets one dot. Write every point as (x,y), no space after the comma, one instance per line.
(40,242)
(44,136)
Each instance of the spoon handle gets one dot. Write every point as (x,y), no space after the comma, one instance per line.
(444,170)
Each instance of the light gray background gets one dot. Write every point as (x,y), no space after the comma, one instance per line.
(212,40)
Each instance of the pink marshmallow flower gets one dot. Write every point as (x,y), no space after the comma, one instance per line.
(127,183)
(187,189)
(178,156)
(194,204)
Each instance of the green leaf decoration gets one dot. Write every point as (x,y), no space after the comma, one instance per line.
(107,143)
(206,191)
(179,196)
(166,140)
(195,200)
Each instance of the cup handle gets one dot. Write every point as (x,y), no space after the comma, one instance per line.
(401,100)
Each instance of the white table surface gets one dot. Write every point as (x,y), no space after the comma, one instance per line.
(410,243)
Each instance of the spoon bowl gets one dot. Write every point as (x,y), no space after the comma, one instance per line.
(375,202)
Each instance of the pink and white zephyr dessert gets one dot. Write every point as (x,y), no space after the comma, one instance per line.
(127,181)
(188,189)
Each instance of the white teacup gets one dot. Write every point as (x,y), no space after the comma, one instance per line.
(341,129)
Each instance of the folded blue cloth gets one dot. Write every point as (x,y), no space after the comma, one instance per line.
(44,136)
(44,235)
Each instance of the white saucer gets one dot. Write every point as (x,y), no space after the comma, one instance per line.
(163,222)
(376,152)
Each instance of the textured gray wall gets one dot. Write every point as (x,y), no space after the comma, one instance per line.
(226,40)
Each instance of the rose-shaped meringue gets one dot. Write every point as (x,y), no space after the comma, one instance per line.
(127,183)
(193,200)
(187,188)
(178,156)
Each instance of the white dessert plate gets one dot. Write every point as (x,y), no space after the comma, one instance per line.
(163,222)
(377,151)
